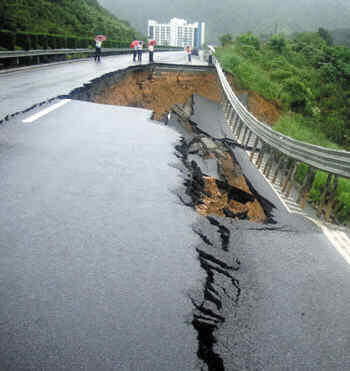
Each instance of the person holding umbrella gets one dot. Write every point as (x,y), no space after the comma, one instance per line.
(151,44)
(133,46)
(139,51)
(99,39)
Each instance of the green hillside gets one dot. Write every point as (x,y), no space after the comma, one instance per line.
(82,18)
(308,79)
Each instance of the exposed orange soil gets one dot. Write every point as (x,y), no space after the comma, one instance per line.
(160,90)
(214,200)
(261,108)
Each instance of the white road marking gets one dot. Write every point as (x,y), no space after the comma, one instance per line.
(45,111)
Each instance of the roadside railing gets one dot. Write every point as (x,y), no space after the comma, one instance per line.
(247,129)
(13,57)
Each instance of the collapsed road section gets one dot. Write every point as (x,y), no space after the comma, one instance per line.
(128,243)
(259,307)
(275,293)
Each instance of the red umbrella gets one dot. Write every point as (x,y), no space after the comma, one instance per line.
(100,38)
(152,42)
(134,43)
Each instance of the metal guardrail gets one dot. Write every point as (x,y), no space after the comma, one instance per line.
(332,161)
(44,52)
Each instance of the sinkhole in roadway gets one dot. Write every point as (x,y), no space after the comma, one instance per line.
(213,183)
(159,88)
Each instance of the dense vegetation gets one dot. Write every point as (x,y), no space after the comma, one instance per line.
(83,18)
(308,79)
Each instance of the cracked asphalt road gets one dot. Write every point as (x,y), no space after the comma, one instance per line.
(95,247)
(102,268)
(23,89)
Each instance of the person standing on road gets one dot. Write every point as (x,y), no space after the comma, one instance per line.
(98,51)
(139,51)
(189,51)
(151,51)
(134,53)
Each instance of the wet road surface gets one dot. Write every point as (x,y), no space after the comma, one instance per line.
(294,287)
(23,89)
(104,268)
(96,256)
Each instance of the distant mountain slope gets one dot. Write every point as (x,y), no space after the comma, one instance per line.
(76,17)
(238,16)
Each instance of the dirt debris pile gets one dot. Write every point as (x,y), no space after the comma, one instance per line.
(221,191)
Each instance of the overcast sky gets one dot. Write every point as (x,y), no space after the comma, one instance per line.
(237,16)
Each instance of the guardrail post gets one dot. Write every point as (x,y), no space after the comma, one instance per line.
(239,129)
(227,108)
(248,139)
(255,146)
(235,123)
(232,113)
(291,179)
(261,155)
(332,200)
(229,112)
(324,195)
(305,188)
(244,135)
(230,119)
(269,163)
(278,168)
(289,174)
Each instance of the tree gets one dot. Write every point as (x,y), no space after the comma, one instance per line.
(326,36)
(278,43)
(249,39)
(225,39)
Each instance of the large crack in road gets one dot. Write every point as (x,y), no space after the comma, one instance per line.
(273,294)
(215,186)
(241,225)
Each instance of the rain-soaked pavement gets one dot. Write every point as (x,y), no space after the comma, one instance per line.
(96,249)
(285,305)
(105,265)
(27,87)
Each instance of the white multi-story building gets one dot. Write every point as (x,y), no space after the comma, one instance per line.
(177,33)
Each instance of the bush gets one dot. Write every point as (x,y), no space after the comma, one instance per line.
(225,39)
(249,39)
(334,126)
(21,40)
(52,42)
(278,43)
(35,41)
(279,75)
(296,95)
(232,61)
(7,40)
(71,43)
(44,41)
